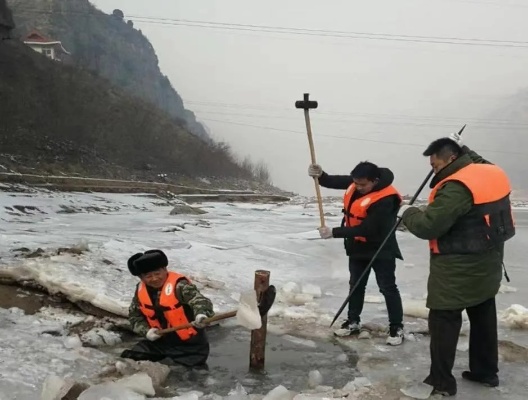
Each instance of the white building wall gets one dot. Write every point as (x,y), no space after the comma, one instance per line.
(48,51)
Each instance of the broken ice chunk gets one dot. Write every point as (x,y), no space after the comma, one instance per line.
(72,342)
(312,290)
(278,393)
(290,287)
(314,378)
(515,317)
(238,393)
(418,391)
(100,337)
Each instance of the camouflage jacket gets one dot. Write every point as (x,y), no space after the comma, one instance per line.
(188,295)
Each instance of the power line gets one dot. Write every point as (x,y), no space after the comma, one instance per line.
(335,34)
(502,4)
(268,128)
(309,32)
(359,114)
(362,122)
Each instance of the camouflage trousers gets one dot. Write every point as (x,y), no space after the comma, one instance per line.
(190,353)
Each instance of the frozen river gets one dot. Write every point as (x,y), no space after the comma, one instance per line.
(221,250)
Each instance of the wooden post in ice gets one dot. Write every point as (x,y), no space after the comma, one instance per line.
(258,336)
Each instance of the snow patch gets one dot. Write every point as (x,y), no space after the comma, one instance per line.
(189,396)
(140,383)
(292,293)
(515,317)
(134,387)
(156,371)
(302,342)
(309,235)
(238,393)
(418,391)
(110,391)
(417,309)
(507,289)
(357,383)
(290,288)
(53,275)
(60,315)
(72,342)
(364,335)
(374,299)
(100,337)
(314,379)
(278,393)
(311,290)
(55,388)
(32,349)
(463,345)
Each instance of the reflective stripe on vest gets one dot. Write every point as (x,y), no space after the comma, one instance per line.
(169,304)
(487,183)
(357,211)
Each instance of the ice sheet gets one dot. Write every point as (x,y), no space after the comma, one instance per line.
(219,251)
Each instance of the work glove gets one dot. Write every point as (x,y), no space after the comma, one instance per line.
(457,138)
(325,232)
(315,170)
(152,334)
(198,321)
(402,209)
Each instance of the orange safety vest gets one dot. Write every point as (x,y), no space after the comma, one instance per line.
(489,222)
(356,211)
(169,304)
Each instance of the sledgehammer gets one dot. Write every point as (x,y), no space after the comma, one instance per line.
(306,105)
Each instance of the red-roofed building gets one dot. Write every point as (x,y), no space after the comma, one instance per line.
(50,48)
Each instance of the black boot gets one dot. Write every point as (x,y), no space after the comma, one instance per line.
(490,381)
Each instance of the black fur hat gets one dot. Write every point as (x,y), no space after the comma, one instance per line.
(150,260)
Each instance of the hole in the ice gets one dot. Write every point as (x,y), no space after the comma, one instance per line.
(287,363)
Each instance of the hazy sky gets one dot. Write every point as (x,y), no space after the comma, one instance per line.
(379,100)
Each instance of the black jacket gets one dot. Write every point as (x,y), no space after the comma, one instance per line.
(381,217)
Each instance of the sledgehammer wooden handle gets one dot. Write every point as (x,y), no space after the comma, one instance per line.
(316,179)
(217,317)
(306,104)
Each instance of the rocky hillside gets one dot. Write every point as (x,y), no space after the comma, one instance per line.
(61,119)
(56,117)
(6,21)
(108,45)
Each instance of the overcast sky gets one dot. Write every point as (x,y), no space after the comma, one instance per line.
(379,100)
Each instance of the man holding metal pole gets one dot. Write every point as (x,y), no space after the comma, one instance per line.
(466,222)
(370,207)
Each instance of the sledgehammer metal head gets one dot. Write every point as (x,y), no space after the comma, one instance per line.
(306,104)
